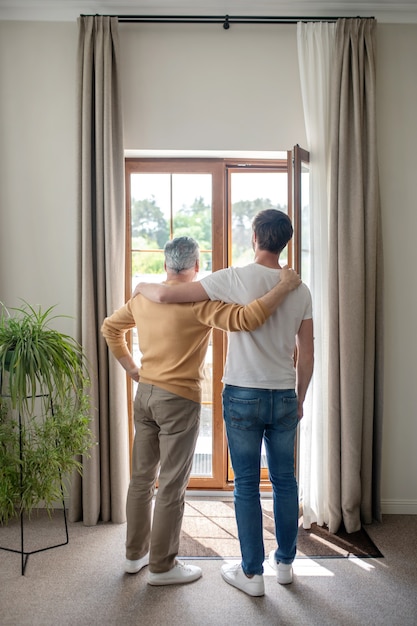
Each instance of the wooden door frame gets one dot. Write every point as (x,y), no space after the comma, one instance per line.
(221,223)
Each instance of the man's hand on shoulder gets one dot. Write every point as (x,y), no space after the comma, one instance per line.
(289,278)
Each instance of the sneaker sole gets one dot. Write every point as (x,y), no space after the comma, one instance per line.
(173,581)
(135,570)
(286,581)
(233,584)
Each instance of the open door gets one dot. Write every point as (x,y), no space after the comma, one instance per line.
(301,224)
(291,182)
(301,211)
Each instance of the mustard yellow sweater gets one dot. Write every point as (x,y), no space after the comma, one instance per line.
(173,338)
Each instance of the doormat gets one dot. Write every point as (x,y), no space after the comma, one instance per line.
(209,531)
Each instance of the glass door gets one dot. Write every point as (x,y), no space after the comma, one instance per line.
(251,190)
(168,199)
(302,231)
(214,201)
(164,206)
(301,212)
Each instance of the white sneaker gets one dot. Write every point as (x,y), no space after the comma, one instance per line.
(235,576)
(133,567)
(283,570)
(180,574)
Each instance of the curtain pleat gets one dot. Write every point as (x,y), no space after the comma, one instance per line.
(355,283)
(101,493)
(315,53)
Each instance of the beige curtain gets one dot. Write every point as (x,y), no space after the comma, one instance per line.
(101,493)
(355,283)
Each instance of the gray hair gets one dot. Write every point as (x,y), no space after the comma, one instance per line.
(181,253)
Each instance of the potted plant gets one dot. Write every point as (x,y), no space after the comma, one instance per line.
(44,410)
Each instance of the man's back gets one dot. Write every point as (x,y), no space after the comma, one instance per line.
(264,357)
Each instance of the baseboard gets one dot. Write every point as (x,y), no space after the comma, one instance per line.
(388,507)
(399,507)
(205,493)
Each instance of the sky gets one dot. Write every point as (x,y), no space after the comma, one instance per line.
(245,186)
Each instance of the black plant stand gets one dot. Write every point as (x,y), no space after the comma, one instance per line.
(24,553)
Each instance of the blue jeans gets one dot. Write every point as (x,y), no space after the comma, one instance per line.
(252,415)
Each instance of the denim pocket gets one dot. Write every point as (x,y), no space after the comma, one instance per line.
(241,413)
(288,413)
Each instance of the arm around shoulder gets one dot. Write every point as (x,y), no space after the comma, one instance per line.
(273,298)
(163,293)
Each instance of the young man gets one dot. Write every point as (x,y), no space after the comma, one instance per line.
(263,396)
(173,341)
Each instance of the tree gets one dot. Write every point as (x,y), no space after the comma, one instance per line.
(243,213)
(150,230)
(149,223)
(194,221)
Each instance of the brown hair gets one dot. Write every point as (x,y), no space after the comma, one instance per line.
(273,230)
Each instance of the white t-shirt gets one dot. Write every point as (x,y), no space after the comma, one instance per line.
(262,358)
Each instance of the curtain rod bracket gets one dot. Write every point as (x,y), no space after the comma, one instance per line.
(226,24)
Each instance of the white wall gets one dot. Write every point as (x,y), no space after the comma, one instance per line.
(192,87)
(38,164)
(200,87)
(397,137)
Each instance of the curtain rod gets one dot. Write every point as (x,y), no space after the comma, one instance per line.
(226,20)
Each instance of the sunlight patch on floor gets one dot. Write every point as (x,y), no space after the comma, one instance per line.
(310,567)
(364,564)
(301,567)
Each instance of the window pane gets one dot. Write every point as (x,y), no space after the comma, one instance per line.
(191,207)
(305,225)
(150,209)
(252,192)
(164,206)
(147,266)
(203,455)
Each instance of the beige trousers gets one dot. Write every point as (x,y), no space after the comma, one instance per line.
(166,431)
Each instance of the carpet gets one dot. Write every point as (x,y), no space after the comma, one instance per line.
(209,531)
